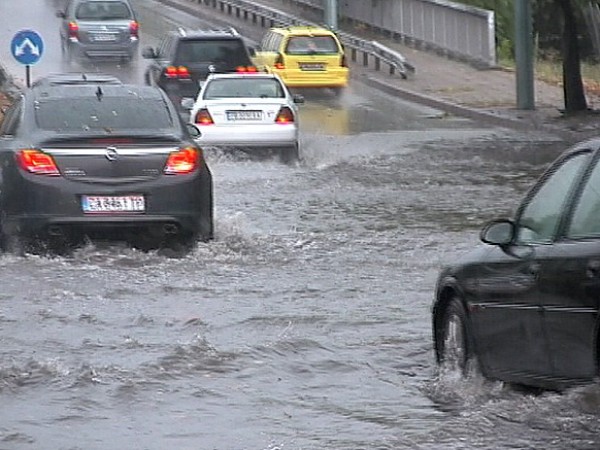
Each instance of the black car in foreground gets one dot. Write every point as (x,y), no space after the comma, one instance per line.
(524,308)
(82,156)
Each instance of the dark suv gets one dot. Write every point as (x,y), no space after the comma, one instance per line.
(86,156)
(184,58)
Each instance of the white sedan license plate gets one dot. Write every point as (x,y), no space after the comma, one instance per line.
(112,204)
(244,115)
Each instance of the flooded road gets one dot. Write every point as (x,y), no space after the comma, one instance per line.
(305,324)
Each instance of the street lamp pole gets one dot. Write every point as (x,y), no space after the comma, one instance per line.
(524,54)
(331,14)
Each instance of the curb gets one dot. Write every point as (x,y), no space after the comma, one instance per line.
(451,108)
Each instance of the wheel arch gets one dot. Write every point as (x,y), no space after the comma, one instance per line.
(445,294)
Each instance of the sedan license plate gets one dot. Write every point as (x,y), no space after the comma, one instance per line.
(244,115)
(112,204)
(312,66)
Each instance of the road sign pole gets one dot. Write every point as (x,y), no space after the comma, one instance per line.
(28,75)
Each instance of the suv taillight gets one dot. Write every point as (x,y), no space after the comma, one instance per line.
(183,161)
(285,115)
(177,73)
(37,162)
(73,30)
(279,62)
(134,29)
(246,69)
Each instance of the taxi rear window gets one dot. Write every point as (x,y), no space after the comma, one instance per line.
(110,114)
(311,45)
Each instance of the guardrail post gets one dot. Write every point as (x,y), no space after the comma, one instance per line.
(353,54)
(365,59)
(377,64)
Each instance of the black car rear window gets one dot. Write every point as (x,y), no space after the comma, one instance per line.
(110,114)
(231,52)
(103,11)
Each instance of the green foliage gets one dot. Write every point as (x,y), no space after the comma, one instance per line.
(547,26)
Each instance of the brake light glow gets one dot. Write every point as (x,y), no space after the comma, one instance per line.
(73,30)
(177,72)
(203,117)
(284,116)
(278,64)
(183,161)
(246,69)
(37,162)
(134,29)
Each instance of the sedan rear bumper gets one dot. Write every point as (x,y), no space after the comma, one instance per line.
(249,135)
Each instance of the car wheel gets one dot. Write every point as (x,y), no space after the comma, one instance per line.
(454,345)
(290,154)
(147,79)
(337,92)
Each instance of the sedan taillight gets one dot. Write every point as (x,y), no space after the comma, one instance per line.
(37,162)
(183,161)
(203,117)
(285,115)
(73,30)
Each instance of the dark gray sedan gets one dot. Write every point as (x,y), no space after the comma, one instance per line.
(524,308)
(87,156)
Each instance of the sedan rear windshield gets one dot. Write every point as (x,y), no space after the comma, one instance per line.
(312,45)
(103,11)
(109,114)
(243,88)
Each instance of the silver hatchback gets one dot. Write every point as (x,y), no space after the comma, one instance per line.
(99,29)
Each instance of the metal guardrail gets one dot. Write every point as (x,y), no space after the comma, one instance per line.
(456,30)
(271,17)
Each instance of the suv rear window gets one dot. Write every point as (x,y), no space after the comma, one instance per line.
(312,45)
(229,51)
(103,11)
(110,114)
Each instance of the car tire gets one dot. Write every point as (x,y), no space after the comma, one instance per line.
(454,346)
(289,154)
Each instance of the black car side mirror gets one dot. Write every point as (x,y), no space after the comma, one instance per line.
(498,232)
(149,53)
(61,14)
(193,130)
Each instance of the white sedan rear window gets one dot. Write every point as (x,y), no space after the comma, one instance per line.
(244,88)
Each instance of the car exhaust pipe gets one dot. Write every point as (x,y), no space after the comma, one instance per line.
(170,228)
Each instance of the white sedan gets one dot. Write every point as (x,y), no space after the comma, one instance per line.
(251,111)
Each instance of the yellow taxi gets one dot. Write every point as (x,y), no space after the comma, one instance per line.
(304,57)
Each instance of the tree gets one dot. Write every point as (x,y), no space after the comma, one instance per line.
(574,93)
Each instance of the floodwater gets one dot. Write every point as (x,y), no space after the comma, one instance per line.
(305,324)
